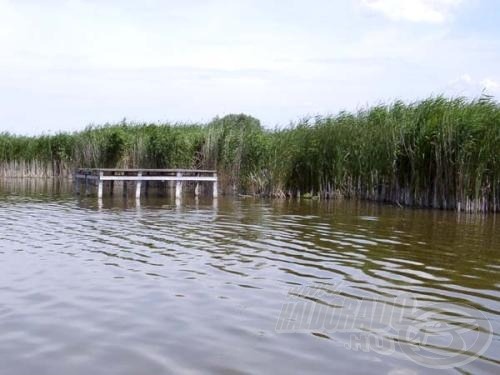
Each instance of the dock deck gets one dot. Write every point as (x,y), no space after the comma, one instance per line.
(99,176)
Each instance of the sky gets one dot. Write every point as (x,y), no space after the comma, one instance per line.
(65,64)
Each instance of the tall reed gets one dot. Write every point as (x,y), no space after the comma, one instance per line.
(441,153)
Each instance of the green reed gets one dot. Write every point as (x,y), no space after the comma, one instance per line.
(442,153)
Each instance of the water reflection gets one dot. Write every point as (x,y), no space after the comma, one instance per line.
(198,285)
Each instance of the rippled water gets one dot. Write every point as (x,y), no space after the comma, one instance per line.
(155,288)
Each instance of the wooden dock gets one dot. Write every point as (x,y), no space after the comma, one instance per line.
(99,176)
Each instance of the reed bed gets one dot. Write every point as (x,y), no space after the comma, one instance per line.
(439,152)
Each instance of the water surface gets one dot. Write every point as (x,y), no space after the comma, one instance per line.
(158,287)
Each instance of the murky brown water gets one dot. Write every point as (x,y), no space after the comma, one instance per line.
(157,288)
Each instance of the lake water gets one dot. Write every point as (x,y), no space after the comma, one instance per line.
(242,286)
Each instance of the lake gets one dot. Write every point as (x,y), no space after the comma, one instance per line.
(239,286)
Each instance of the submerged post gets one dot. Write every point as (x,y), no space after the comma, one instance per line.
(197,187)
(100,186)
(86,184)
(77,183)
(138,186)
(178,186)
(215,193)
(112,185)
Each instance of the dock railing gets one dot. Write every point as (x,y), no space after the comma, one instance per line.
(98,176)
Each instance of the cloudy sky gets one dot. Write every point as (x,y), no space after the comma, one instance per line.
(68,63)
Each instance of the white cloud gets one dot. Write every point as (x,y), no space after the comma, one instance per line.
(490,85)
(431,11)
(467,85)
(464,78)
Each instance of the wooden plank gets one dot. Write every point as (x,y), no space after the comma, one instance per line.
(159,178)
(135,170)
(86,176)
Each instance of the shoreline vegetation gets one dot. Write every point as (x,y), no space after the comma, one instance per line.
(438,153)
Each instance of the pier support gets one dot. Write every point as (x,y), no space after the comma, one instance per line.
(149,177)
(77,185)
(86,185)
(111,187)
(100,186)
(178,187)
(138,187)
(215,192)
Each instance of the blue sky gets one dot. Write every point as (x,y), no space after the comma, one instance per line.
(66,64)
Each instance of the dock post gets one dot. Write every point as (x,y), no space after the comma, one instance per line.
(77,183)
(138,187)
(197,189)
(215,192)
(112,185)
(100,185)
(178,186)
(86,185)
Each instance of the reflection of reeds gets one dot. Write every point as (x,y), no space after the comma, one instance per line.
(442,153)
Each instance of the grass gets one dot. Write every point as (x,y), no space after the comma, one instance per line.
(439,152)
